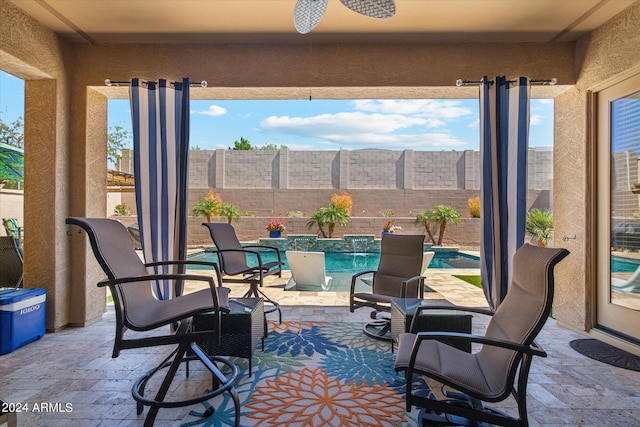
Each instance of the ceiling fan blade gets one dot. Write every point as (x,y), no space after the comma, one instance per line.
(308,13)
(372,8)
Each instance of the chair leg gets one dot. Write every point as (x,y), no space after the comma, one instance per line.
(224,383)
(379,329)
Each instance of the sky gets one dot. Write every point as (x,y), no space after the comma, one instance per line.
(416,124)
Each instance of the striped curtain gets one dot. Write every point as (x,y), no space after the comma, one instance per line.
(160,116)
(504,136)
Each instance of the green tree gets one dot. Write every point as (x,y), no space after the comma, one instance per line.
(273,147)
(231,212)
(444,215)
(243,144)
(425,218)
(12,134)
(317,219)
(118,139)
(539,225)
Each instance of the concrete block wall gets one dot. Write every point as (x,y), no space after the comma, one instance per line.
(271,184)
(351,169)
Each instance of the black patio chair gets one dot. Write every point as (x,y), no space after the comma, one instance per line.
(236,266)
(397,276)
(488,375)
(138,309)
(10,263)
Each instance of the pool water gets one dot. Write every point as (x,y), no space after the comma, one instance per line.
(348,262)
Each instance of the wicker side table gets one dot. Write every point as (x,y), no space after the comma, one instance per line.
(403,310)
(242,328)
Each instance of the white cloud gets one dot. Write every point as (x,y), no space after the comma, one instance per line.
(536,119)
(430,108)
(214,111)
(474,124)
(340,124)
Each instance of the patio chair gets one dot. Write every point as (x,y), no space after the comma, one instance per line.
(308,271)
(137,309)
(13,229)
(238,268)
(397,276)
(10,263)
(488,375)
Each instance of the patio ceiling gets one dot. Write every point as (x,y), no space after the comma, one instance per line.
(271,21)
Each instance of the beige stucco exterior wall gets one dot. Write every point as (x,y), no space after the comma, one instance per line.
(603,57)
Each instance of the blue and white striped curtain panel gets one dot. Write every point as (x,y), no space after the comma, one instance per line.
(160,116)
(504,140)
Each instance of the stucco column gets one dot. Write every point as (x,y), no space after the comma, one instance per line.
(572,287)
(88,190)
(45,198)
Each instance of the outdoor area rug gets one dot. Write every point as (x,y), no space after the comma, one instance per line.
(315,374)
(606,353)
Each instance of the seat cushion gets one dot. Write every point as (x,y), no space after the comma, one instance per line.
(443,363)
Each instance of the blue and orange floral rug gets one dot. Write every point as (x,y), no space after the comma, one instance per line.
(315,374)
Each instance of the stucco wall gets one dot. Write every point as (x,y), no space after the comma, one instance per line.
(603,57)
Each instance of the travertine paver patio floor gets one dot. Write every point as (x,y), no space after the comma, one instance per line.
(75,367)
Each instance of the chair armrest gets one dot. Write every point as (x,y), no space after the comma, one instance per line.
(355,277)
(146,277)
(272,248)
(532,350)
(478,310)
(189,262)
(403,289)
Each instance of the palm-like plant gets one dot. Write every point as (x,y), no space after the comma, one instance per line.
(539,225)
(231,212)
(329,216)
(444,215)
(425,218)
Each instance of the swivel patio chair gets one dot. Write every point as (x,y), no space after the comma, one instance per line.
(138,309)
(488,375)
(237,267)
(10,263)
(397,276)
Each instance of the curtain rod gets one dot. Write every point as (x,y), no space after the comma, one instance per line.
(549,82)
(108,82)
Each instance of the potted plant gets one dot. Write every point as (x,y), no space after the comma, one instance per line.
(539,226)
(389,227)
(275,228)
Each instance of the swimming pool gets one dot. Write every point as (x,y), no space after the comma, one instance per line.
(349,262)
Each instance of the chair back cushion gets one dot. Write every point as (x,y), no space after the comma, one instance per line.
(114,252)
(523,312)
(224,237)
(400,259)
